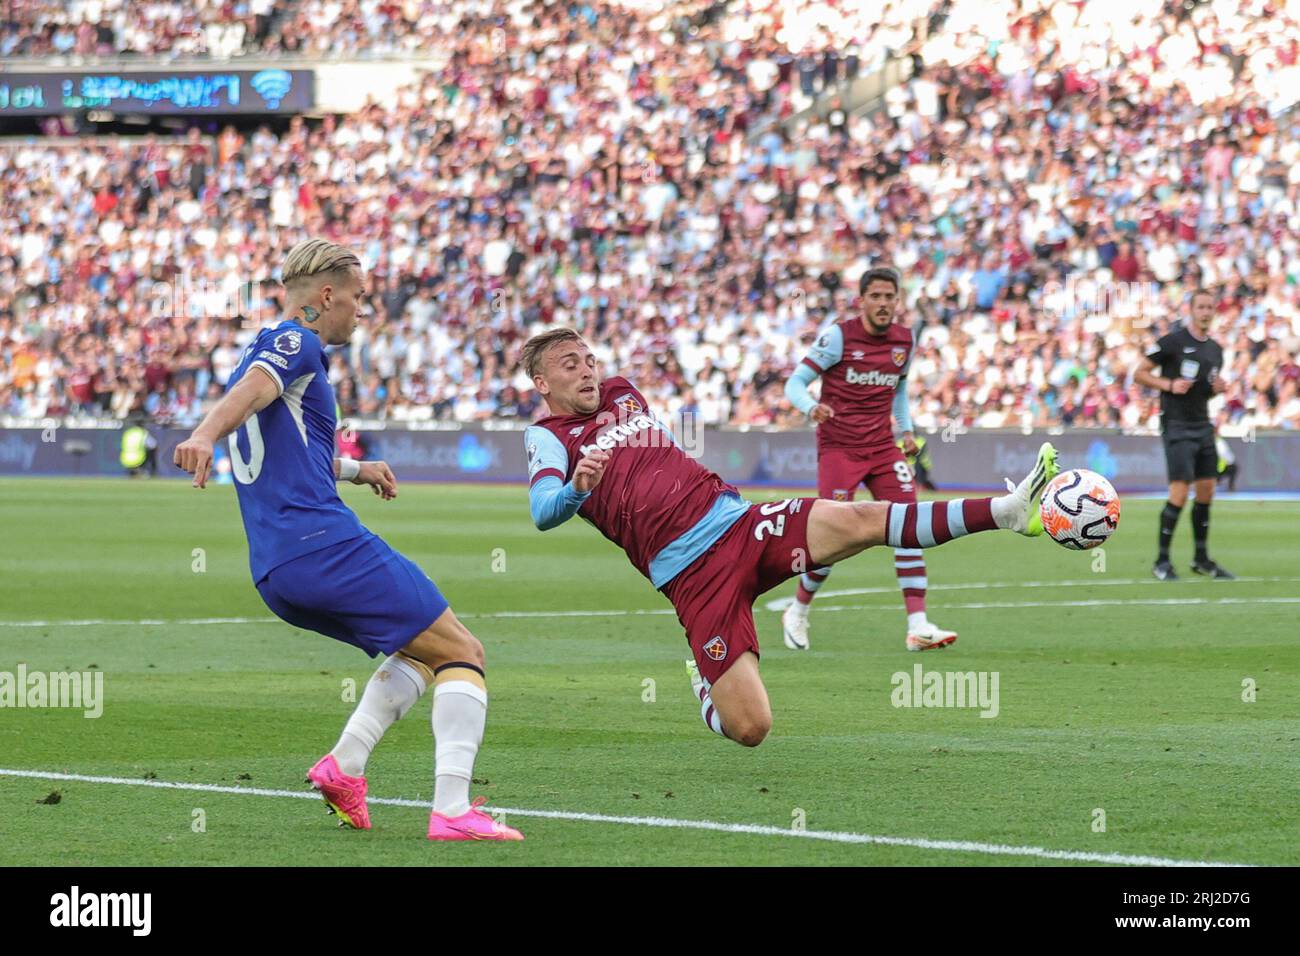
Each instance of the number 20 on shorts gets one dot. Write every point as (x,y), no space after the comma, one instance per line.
(775,528)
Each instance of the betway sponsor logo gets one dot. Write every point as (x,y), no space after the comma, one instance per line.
(854,377)
(628,432)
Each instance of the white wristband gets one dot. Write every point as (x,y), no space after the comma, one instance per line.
(349,468)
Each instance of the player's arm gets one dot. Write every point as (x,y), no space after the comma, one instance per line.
(826,351)
(1146,373)
(250,395)
(903,416)
(551,500)
(376,474)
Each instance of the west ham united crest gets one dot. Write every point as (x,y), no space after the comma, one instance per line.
(716,649)
(629,404)
(899,355)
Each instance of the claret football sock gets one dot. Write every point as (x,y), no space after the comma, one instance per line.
(708,713)
(909,567)
(392,690)
(459,716)
(932,523)
(809,583)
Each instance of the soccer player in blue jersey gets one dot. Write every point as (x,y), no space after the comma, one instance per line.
(318,568)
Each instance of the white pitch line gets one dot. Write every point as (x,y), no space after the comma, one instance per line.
(623,612)
(781,603)
(88,622)
(1096,602)
(754,829)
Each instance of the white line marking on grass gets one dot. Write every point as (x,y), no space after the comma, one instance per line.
(781,603)
(1096,602)
(88,622)
(771,605)
(754,829)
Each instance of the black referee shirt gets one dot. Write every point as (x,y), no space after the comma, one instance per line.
(1181,355)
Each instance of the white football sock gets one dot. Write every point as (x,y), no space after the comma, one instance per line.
(459,715)
(799,609)
(392,690)
(1006,508)
(916,621)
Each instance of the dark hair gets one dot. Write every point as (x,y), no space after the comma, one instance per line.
(878,274)
(1199,291)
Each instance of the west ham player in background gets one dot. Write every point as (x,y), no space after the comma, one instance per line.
(602,454)
(318,568)
(863,365)
(1184,367)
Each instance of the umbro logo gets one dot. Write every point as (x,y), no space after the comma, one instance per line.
(576,431)
(859,355)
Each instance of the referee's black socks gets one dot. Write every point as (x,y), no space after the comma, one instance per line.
(1201,528)
(1169,521)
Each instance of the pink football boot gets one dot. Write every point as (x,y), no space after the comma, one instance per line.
(344,795)
(473,824)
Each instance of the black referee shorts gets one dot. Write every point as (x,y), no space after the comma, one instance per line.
(1191,457)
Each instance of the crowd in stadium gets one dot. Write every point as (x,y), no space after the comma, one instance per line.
(1050,186)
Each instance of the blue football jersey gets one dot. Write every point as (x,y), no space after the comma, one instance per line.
(282,458)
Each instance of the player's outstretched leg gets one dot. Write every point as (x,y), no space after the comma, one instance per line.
(738,700)
(839,530)
(392,690)
(459,715)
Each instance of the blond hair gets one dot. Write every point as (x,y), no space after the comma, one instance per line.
(316,257)
(535,348)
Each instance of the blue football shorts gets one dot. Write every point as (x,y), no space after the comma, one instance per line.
(358,591)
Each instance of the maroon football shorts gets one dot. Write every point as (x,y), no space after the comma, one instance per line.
(714,596)
(883,470)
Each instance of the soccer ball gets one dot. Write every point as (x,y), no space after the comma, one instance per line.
(1080,509)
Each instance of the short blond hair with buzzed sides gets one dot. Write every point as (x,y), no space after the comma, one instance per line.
(315,258)
(535,348)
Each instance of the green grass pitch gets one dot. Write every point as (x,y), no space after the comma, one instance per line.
(1131,705)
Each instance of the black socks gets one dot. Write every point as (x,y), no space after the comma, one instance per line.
(1168,521)
(1201,529)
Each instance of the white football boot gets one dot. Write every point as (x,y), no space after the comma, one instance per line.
(794,625)
(1018,511)
(928,636)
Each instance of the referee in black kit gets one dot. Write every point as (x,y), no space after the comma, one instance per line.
(1184,368)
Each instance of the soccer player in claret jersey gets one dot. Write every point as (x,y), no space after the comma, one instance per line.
(863,366)
(318,568)
(601,453)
